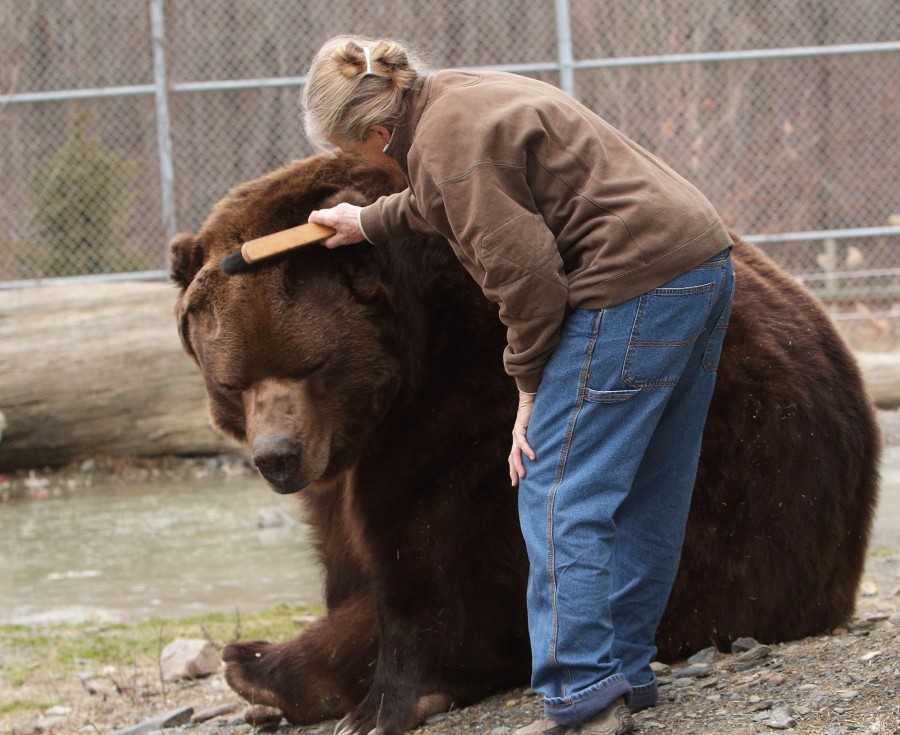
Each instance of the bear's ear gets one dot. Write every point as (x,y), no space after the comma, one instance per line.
(347,194)
(185,259)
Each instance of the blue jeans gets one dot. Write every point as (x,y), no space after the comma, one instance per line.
(616,427)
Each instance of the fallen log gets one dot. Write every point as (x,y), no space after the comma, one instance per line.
(97,370)
(881,371)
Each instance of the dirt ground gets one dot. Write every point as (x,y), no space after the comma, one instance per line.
(845,682)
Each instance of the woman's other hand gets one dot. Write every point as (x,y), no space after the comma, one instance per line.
(520,444)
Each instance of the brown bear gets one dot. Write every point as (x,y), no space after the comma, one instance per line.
(370,379)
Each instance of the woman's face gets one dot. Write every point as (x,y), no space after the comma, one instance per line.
(371,149)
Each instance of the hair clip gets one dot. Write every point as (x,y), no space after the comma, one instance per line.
(368,52)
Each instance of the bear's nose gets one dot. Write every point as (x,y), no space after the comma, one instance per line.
(278,460)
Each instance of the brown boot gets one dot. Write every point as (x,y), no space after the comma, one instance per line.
(614,720)
(543,726)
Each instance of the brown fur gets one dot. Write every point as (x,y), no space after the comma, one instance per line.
(370,378)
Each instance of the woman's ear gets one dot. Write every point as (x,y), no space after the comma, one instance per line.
(382,133)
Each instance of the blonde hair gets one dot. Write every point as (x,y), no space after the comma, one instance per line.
(355,83)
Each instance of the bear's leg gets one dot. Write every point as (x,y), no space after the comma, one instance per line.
(319,675)
(400,697)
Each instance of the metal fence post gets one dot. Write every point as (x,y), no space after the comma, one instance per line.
(564,47)
(163,128)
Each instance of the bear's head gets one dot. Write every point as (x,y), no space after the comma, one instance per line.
(301,352)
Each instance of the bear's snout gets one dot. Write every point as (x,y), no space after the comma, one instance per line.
(278,458)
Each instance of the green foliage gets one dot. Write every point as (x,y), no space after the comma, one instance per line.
(83,198)
(19,706)
(65,648)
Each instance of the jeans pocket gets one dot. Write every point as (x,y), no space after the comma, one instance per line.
(666,326)
(609,396)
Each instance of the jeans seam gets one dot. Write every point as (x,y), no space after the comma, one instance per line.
(560,469)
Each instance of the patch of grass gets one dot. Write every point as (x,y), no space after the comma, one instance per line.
(67,648)
(20,706)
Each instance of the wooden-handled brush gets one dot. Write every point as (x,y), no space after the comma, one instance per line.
(269,246)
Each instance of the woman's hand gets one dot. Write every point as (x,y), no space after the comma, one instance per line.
(344,220)
(519,442)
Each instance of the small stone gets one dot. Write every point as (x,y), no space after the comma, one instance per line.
(847,694)
(870,655)
(756,653)
(660,669)
(868,589)
(58,711)
(744,644)
(188,659)
(434,719)
(500,731)
(511,703)
(274,518)
(781,719)
(705,656)
(761,705)
(693,671)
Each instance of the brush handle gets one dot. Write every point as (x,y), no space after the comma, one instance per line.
(279,242)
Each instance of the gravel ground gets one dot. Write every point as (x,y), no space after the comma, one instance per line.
(844,682)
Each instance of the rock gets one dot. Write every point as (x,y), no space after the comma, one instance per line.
(660,669)
(848,694)
(871,655)
(744,644)
(187,658)
(173,718)
(706,656)
(780,719)
(274,518)
(754,654)
(58,711)
(868,589)
(694,670)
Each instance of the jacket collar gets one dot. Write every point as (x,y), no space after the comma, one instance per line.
(404,132)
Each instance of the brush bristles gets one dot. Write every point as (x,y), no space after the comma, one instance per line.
(234,263)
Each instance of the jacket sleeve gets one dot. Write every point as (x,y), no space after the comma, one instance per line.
(396,215)
(495,222)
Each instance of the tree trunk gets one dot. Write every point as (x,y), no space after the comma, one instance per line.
(97,370)
(881,371)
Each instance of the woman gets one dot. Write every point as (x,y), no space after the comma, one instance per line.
(613,276)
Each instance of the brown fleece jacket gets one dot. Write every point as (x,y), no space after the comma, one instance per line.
(548,206)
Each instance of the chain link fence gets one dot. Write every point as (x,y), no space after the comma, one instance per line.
(121,122)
